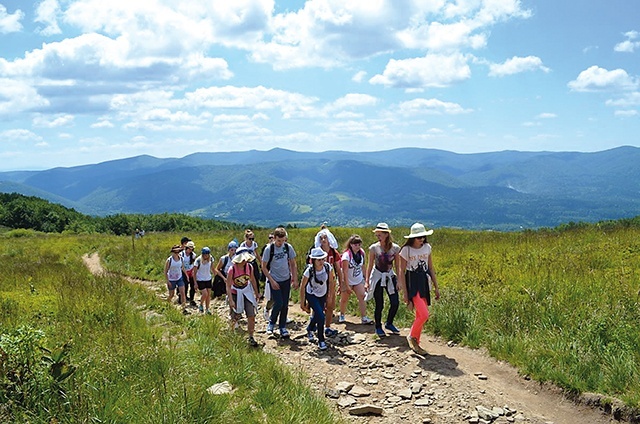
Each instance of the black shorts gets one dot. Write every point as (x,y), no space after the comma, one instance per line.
(204,285)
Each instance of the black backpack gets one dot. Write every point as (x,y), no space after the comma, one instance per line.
(272,252)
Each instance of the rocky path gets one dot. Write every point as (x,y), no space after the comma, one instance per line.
(382,377)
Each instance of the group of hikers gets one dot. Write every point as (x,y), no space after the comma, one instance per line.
(405,271)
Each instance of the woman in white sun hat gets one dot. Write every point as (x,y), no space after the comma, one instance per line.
(317,280)
(415,271)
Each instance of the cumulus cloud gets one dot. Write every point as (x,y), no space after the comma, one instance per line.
(430,106)
(433,70)
(629,45)
(600,79)
(17,96)
(628,100)
(359,76)
(516,65)
(10,22)
(19,134)
(547,115)
(47,13)
(53,121)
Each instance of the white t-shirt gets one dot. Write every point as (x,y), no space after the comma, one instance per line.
(317,286)
(187,260)
(174,273)
(355,275)
(204,268)
(416,258)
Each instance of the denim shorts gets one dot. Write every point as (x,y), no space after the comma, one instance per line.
(173,284)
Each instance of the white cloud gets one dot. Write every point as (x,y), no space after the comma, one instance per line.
(430,106)
(433,70)
(355,100)
(260,98)
(628,100)
(47,12)
(600,79)
(102,123)
(628,46)
(547,115)
(17,96)
(359,76)
(516,65)
(626,113)
(53,121)
(10,22)
(19,135)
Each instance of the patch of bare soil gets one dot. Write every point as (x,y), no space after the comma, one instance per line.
(451,384)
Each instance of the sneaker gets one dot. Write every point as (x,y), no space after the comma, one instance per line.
(415,346)
(208,312)
(342,319)
(252,342)
(322,345)
(289,320)
(330,332)
(269,329)
(380,332)
(366,320)
(201,308)
(192,302)
(392,328)
(185,312)
(284,333)
(311,336)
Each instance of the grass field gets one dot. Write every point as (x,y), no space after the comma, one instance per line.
(561,305)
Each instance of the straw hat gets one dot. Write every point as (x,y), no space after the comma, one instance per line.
(418,230)
(382,226)
(176,248)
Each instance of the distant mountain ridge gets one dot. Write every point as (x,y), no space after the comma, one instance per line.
(499,190)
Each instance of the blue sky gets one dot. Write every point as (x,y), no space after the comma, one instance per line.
(92,80)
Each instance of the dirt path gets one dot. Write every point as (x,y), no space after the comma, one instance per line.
(450,385)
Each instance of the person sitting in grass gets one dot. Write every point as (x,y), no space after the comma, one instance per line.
(242,292)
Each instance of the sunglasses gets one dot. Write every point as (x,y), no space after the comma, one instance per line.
(251,238)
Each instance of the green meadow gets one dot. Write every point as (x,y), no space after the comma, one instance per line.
(560,304)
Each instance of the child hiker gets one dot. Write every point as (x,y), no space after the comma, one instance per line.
(314,288)
(242,292)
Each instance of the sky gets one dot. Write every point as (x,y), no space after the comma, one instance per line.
(87,81)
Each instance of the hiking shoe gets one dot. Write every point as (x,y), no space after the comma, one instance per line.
(311,336)
(322,345)
(330,332)
(270,329)
(201,308)
(192,302)
(392,328)
(252,342)
(185,312)
(208,312)
(284,333)
(415,346)
(380,332)
(366,320)
(342,319)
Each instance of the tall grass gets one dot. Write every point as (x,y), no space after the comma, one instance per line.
(136,359)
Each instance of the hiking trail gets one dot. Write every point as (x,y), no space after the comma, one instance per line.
(452,384)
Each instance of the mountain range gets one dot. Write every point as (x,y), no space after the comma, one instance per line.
(500,190)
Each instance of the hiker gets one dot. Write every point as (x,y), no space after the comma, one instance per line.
(314,288)
(188,256)
(328,243)
(352,262)
(266,295)
(279,266)
(174,273)
(252,246)
(380,277)
(203,267)
(415,270)
(242,292)
(222,268)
